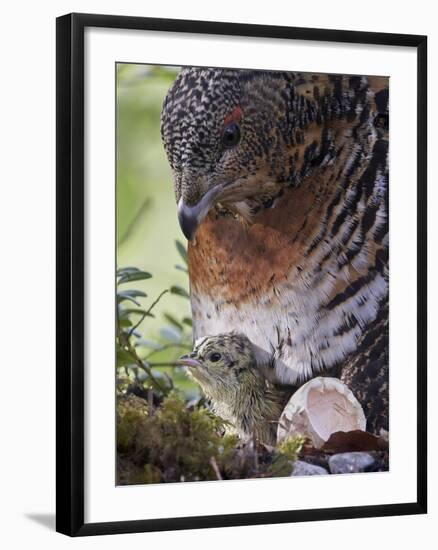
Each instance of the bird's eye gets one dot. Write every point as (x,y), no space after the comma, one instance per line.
(215,357)
(231,135)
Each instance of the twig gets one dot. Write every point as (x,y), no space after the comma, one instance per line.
(126,342)
(156,301)
(146,313)
(144,367)
(256,456)
(167,346)
(215,467)
(152,378)
(164,364)
(150,401)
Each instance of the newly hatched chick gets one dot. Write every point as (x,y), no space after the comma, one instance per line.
(224,366)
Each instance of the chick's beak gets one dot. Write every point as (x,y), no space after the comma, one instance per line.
(191,216)
(188,361)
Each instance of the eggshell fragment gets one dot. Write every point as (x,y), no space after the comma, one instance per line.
(319,408)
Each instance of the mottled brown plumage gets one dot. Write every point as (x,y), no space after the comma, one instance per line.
(281,184)
(225,367)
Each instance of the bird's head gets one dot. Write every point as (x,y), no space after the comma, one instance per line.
(219,363)
(223,134)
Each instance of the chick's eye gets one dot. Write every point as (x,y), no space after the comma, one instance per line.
(231,135)
(215,357)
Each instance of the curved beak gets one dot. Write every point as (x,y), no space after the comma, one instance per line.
(188,361)
(190,217)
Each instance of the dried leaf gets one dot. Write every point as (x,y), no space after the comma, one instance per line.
(356,440)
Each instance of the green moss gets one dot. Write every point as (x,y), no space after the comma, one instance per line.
(175,442)
(151,474)
(286,454)
(131,414)
(291,447)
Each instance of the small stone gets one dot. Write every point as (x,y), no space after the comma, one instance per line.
(302,468)
(350,463)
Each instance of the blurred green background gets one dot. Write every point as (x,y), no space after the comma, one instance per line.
(147,225)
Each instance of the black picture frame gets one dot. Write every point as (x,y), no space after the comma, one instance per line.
(70,273)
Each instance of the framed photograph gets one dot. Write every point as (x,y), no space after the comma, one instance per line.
(241,274)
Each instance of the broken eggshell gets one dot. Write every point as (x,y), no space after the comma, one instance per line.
(320,408)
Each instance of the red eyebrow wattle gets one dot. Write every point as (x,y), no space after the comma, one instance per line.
(234,116)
